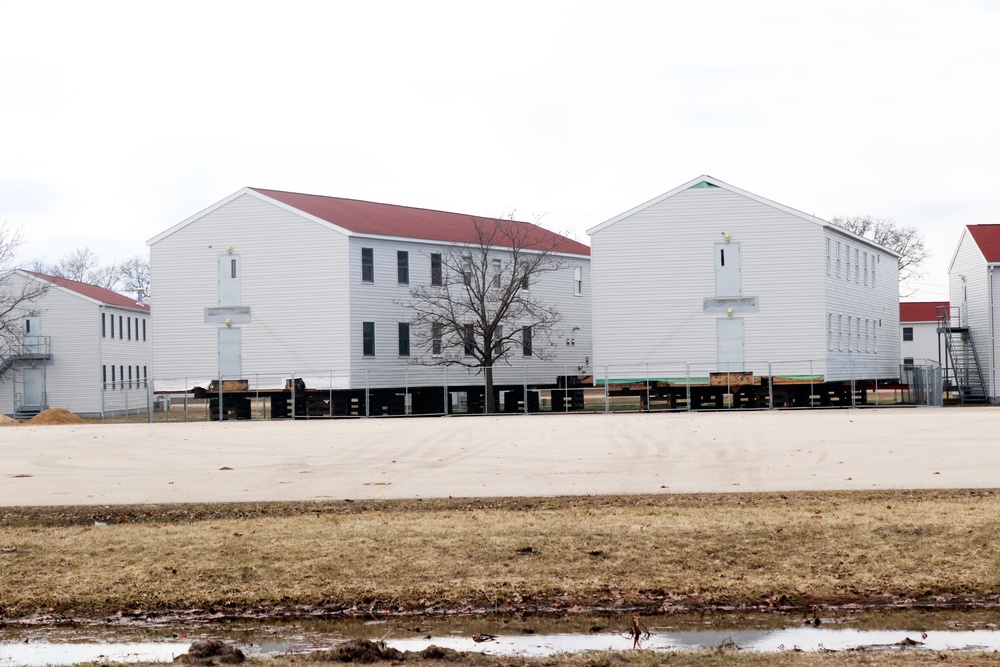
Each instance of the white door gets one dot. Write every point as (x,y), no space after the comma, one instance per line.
(230,351)
(727,269)
(229,280)
(729,337)
(34,387)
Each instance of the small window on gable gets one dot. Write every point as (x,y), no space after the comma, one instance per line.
(703,184)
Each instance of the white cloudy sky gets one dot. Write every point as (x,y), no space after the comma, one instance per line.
(119,119)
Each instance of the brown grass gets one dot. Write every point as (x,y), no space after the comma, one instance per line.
(797,549)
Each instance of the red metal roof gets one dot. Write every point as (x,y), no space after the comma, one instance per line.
(364,217)
(101,294)
(987,237)
(920,311)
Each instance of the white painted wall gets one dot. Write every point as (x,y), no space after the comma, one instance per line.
(293,278)
(924,344)
(972,297)
(383,302)
(73,374)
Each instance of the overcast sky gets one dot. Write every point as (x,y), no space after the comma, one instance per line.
(120,119)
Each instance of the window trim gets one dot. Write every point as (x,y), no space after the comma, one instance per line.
(366,339)
(402,267)
(368,265)
(404,340)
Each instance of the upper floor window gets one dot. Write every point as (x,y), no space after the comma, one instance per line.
(436,334)
(121,328)
(129,321)
(907,333)
(144,328)
(436,277)
(525,282)
(466,268)
(367,265)
(578,281)
(470,341)
(104,325)
(497,267)
(112,326)
(403,267)
(526,341)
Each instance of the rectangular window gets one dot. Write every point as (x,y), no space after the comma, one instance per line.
(827,256)
(873,270)
(850,331)
(907,333)
(436,269)
(864,260)
(856,272)
(470,341)
(526,341)
(144,328)
(129,321)
(908,362)
(104,325)
(857,333)
(368,339)
(129,377)
(367,265)
(404,339)
(847,259)
(402,267)
(497,267)
(436,330)
(112,326)
(121,369)
(838,259)
(840,332)
(829,331)
(145,378)
(525,282)
(466,269)
(112,376)
(121,332)
(104,375)
(578,281)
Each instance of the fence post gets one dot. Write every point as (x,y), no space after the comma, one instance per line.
(367,396)
(524,387)
(447,394)
(221,412)
(647,388)
(770,387)
(854,387)
(606,401)
(149,403)
(687,383)
(811,390)
(406,391)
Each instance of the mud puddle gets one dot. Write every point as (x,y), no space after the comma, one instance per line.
(67,644)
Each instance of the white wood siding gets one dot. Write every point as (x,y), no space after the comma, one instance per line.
(653,270)
(924,344)
(125,354)
(382,302)
(73,374)
(850,301)
(971,298)
(293,279)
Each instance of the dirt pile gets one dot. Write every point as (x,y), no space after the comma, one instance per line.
(8,421)
(55,416)
(211,652)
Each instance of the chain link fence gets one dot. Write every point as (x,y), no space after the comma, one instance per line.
(439,391)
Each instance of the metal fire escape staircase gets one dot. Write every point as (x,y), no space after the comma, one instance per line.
(962,373)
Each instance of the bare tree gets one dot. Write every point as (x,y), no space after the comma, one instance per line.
(16,296)
(479,310)
(888,233)
(133,275)
(83,265)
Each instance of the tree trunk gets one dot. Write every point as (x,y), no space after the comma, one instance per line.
(488,376)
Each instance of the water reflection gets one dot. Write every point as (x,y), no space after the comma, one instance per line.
(47,644)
